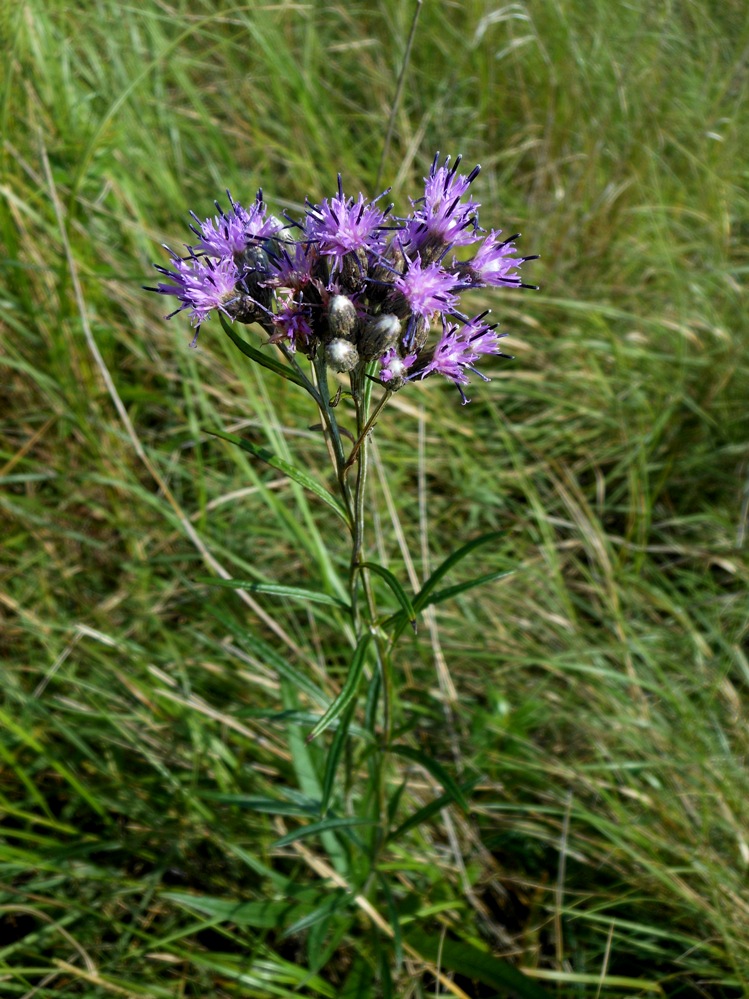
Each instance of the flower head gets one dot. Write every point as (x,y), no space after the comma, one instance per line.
(458,349)
(494,263)
(200,284)
(393,366)
(427,289)
(229,233)
(343,225)
(442,218)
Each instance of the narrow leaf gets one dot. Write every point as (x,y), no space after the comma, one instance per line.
(359,983)
(435,769)
(438,596)
(293,472)
(475,964)
(334,756)
(427,811)
(262,357)
(348,691)
(403,598)
(449,562)
(320,827)
(263,915)
(276,590)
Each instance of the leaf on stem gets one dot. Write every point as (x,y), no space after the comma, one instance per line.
(315,828)
(475,964)
(403,598)
(348,691)
(451,560)
(262,357)
(436,770)
(293,472)
(276,590)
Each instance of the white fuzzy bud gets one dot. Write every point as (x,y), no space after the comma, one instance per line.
(341,355)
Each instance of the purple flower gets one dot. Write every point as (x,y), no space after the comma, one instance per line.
(393,366)
(342,225)
(441,216)
(291,264)
(427,289)
(459,348)
(229,232)
(293,321)
(493,263)
(200,284)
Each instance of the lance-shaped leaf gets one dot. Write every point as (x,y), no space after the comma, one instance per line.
(334,756)
(276,590)
(403,598)
(348,691)
(435,769)
(336,822)
(262,357)
(293,472)
(475,964)
(451,560)
(427,811)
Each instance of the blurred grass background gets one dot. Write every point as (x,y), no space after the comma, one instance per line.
(600,692)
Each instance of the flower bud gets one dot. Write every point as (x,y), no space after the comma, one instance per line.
(354,270)
(342,318)
(379,335)
(341,355)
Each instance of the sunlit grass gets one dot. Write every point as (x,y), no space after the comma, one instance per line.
(597,695)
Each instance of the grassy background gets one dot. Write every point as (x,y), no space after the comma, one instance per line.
(599,692)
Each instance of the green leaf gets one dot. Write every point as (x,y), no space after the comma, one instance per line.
(427,811)
(263,915)
(262,357)
(266,652)
(334,756)
(293,472)
(320,827)
(435,769)
(358,984)
(449,592)
(403,598)
(273,806)
(276,590)
(395,923)
(442,570)
(475,964)
(348,691)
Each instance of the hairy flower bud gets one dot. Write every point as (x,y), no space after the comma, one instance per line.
(341,355)
(379,335)
(342,318)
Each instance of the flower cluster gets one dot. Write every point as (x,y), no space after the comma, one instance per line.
(354,281)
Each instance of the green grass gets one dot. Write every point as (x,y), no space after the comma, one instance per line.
(599,692)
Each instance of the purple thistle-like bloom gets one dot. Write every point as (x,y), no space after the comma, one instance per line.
(201,284)
(493,263)
(428,289)
(441,215)
(229,233)
(459,348)
(392,365)
(291,264)
(342,225)
(293,321)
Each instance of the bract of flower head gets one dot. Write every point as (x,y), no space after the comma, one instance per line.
(201,284)
(343,225)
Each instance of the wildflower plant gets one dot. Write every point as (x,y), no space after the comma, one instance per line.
(355,295)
